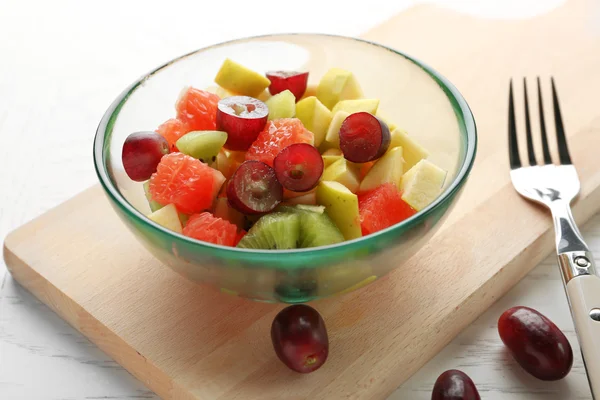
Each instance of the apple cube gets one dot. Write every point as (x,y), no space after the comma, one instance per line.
(422,184)
(388,169)
(354,106)
(333,133)
(238,79)
(336,85)
(168,217)
(314,116)
(344,172)
(330,156)
(341,205)
(413,152)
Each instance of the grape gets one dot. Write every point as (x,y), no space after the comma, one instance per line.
(536,343)
(454,385)
(254,188)
(243,118)
(295,82)
(141,154)
(299,167)
(300,338)
(364,137)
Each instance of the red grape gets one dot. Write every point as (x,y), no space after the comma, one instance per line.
(141,154)
(243,118)
(454,385)
(299,167)
(300,338)
(295,82)
(536,343)
(364,137)
(254,188)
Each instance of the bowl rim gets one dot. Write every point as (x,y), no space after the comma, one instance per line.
(463,113)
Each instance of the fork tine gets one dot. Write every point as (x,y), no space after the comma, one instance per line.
(513,146)
(530,152)
(545,148)
(563,150)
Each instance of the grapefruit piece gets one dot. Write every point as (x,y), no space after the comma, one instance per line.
(208,228)
(172,129)
(277,135)
(198,109)
(382,207)
(186,182)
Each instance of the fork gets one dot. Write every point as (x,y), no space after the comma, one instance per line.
(555,186)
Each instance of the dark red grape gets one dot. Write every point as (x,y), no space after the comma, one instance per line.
(299,167)
(300,338)
(295,82)
(536,343)
(454,385)
(141,154)
(254,188)
(364,137)
(243,118)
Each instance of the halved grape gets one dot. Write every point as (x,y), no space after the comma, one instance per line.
(293,81)
(254,188)
(364,137)
(299,167)
(243,118)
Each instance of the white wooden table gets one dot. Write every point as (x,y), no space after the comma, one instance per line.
(62,63)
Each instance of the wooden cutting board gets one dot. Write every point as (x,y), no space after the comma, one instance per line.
(186,341)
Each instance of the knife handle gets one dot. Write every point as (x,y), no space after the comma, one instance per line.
(584,297)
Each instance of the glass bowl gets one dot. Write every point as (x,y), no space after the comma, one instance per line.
(413,95)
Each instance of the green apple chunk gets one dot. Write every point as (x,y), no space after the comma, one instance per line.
(421,184)
(344,172)
(341,205)
(314,116)
(413,152)
(338,84)
(241,80)
(330,156)
(387,169)
(203,145)
(168,217)
(354,106)
(282,105)
(333,133)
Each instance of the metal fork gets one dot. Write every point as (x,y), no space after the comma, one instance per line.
(555,186)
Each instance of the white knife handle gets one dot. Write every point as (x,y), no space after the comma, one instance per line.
(584,296)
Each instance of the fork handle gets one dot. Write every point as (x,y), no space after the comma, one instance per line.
(582,284)
(584,297)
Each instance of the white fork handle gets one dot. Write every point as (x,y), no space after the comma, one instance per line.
(582,286)
(584,296)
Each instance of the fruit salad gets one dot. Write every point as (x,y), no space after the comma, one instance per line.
(263,161)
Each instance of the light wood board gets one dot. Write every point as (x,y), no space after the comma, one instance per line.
(187,341)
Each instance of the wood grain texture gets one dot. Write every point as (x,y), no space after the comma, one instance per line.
(200,357)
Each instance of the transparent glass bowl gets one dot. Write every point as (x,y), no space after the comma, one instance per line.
(414,96)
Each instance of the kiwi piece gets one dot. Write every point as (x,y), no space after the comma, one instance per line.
(275,231)
(316,228)
(203,145)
